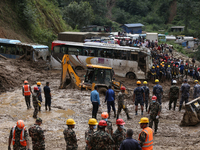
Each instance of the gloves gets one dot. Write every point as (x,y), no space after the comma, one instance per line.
(124,107)
(157,117)
(39,103)
(9,148)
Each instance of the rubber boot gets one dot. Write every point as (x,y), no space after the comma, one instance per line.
(45,107)
(39,108)
(114,114)
(180,107)
(170,107)
(108,115)
(49,108)
(117,116)
(128,117)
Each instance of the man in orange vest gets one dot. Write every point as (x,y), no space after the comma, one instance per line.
(19,137)
(26,91)
(146,136)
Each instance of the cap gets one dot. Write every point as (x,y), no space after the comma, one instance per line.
(38,120)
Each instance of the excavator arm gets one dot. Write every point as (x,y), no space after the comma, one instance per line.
(69,75)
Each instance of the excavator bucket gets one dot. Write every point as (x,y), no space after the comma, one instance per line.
(191,116)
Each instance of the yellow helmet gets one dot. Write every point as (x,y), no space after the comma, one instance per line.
(196,81)
(163,62)
(168,65)
(70,122)
(153,67)
(92,121)
(156,80)
(138,82)
(38,83)
(160,64)
(145,82)
(144,120)
(157,66)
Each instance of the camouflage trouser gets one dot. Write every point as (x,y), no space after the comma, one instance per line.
(171,101)
(38,145)
(120,107)
(36,108)
(19,148)
(71,147)
(156,121)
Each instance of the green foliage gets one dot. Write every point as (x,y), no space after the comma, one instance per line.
(197,54)
(78,14)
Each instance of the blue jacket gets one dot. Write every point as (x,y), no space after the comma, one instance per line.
(130,144)
(94,97)
(110,95)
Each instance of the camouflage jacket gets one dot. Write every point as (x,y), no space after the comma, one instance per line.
(101,140)
(35,99)
(37,135)
(88,135)
(118,137)
(121,96)
(109,127)
(70,139)
(174,91)
(154,109)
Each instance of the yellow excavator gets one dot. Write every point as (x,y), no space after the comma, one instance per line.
(96,75)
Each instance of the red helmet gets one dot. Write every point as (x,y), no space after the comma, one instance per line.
(173,64)
(103,123)
(154,98)
(36,89)
(164,60)
(176,65)
(161,59)
(104,115)
(20,124)
(120,122)
(123,88)
(186,64)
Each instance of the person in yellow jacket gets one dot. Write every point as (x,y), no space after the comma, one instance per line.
(146,135)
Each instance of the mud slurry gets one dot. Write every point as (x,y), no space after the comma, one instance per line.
(72,103)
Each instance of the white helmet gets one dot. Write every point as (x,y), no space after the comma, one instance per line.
(174,81)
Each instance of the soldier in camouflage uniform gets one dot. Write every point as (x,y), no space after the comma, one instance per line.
(120,133)
(109,127)
(154,110)
(92,125)
(173,94)
(146,93)
(185,89)
(37,135)
(101,140)
(158,91)
(196,89)
(15,134)
(70,136)
(121,103)
(35,102)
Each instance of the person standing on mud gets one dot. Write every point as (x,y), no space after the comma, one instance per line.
(26,92)
(101,140)
(120,133)
(94,97)
(39,94)
(186,70)
(104,116)
(70,136)
(92,125)
(35,102)
(110,98)
(185,89)
(196,89)
(146,135)
(146,93)
(173,94)
(158,91)
(121,104)
(18,137)
(154,110)
(47,95)
(139,97)
(37,135)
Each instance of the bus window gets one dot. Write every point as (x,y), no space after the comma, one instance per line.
(63,49)
(91,52)
(124,54)
(79,50)
(85,51)
(133,56)
(12,50)
(56,49)
(117,54)
(1,49)
(73,51)
(108,53)
(100,53)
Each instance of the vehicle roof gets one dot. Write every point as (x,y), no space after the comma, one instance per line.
(98,66)
(33,45)
(134,25)
(9,41)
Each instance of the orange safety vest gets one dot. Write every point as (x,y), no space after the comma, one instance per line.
(27,91)
(148,144)
(22,139)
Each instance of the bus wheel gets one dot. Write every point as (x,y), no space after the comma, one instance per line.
(79,68)
(131,75)
(102,90)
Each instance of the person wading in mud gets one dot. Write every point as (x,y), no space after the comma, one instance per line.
(26,92)
(47,95)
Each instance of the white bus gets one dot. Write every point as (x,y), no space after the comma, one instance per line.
(126,61)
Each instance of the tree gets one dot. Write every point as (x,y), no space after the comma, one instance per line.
(78,14)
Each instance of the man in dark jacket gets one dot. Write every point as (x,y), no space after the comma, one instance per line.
(110,98)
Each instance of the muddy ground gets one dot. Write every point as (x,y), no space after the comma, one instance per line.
(72,103)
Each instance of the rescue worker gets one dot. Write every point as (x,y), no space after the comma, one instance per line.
(35,102)
(101,140)
(26,92)
(37,135)
(169,73)
(173,71)
(162,73)
(146,93)
(18,137)
(186,70)
(185,89)
(146,135)
(39,94)
(173,94)
(94,97)
(157,72)
(154,110)
(120,133)
(153,73)
(110,98)
(70,136)
(196,93)
(121,103)
(139,97)
(92,125)
(47,95)
(104,116)
(158,91)
(177,71)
